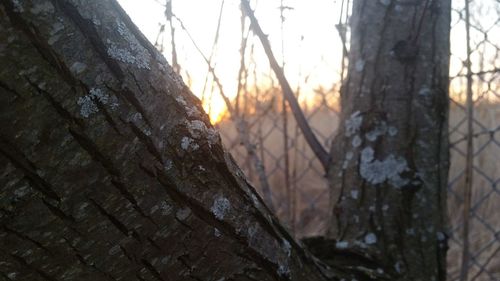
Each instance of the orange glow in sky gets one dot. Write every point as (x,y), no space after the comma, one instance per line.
(312,48)
(311,42)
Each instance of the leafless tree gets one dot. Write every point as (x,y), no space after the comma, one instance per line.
(110,169)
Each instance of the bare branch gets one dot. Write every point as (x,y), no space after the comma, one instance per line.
(241,127)
(311,139)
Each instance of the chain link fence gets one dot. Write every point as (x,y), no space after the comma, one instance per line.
(298,188)
(484,76)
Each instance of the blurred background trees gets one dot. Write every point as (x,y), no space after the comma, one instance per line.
(299,192)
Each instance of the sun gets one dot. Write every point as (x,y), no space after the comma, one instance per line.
(216,109)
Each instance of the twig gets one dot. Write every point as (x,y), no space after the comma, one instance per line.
(311,139)
(243,71)
(168,15)
(342,30)
(216,41)
(284,113)
(464,271)
(241,126)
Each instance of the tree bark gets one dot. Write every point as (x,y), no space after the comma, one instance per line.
(391,154)
(110,169)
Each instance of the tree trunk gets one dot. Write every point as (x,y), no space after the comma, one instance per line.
(109,168)
(391,154)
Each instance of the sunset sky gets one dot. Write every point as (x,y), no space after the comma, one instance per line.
(311,42)
(312,47)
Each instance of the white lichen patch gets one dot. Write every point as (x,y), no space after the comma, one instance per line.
(55,32)
(393,131)
(18,6)
(165,208)
(356,141)
(379,130)
(168,164)
(251,231)
(193,111)
(78,67)
(87,102)
(349,155)
(199,130)
(185,142)
(367,155)
(370,238)
(359,65)
(139,59)
(147,132)
(176,78)
(424,91)
(220,207)
(212,136)
(188,143)
(353,124)
(87,106)
(255,200)
(354,194)
(377,172)
(122,29)
(410,232)
(440,236)
(217,233)
(181,101)
(22,191)
(342,245)
(136,117)
(287,247)
(165,259)
(283,270)
(133,53)
(196,128)
(397,267)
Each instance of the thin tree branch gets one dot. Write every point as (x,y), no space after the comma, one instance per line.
(311,139)
(241,127)
(214,47)
(464,271)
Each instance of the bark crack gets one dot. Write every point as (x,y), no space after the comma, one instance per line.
(88,145)
(27,238)
(115,221)
(21,162)
(32,268)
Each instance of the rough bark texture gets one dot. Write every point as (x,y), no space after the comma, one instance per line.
(110,170)
(391,154)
